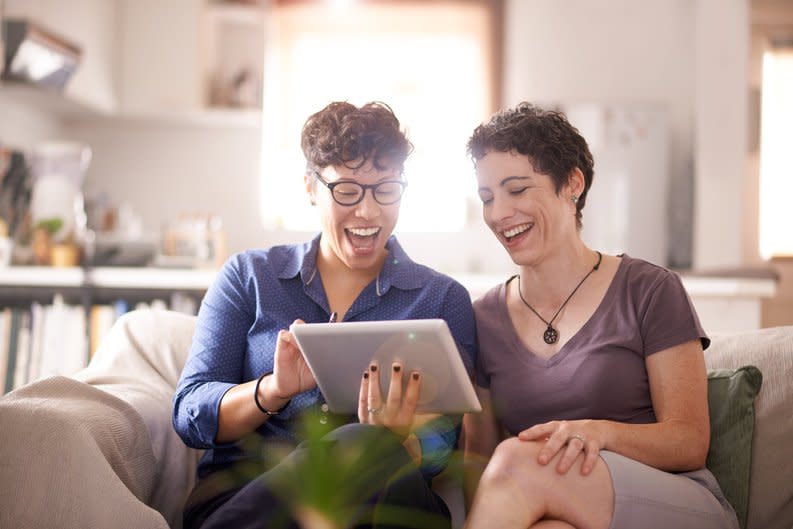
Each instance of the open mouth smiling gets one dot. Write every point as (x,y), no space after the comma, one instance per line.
(362,232)
(511,233)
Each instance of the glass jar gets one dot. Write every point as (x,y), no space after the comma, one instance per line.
(58,171)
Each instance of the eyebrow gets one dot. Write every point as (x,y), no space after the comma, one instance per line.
(506,181)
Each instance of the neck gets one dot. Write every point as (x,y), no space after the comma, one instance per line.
(549,282)
(332,269)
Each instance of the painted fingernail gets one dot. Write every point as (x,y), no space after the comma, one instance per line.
(397,367)
(373,368)
(415,376)
(365,374)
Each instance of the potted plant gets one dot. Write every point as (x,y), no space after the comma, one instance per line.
(41,241)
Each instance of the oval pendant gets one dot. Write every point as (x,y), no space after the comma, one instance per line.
(550,335)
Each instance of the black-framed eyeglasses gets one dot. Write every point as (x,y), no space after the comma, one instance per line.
(347,193)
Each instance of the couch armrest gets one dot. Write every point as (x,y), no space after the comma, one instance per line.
(770,486)
(140,361)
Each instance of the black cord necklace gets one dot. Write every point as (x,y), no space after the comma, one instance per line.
(551,335)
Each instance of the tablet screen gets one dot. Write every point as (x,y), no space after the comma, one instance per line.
(338,354)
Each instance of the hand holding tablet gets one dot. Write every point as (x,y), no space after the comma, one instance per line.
(338,354)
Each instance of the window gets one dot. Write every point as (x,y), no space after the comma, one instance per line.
(430,61)
(776,164)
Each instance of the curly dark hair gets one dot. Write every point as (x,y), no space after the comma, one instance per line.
(342,134)
(553,145)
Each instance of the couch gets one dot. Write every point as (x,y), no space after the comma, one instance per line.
(98,450)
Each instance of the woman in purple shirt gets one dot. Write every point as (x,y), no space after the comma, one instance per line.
(591,365)
(245,392)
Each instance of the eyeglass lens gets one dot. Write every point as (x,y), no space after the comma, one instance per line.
(349,193)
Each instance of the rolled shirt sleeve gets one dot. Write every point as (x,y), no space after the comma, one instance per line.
(438,439)
(215,360)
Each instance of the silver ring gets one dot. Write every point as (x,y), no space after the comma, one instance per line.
(375,411)
(576,436)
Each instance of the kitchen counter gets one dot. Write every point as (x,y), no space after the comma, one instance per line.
(726,301)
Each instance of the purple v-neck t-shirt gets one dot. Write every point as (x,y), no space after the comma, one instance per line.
(600,372)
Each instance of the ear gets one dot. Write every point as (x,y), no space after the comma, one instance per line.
(576,182)
(310,188)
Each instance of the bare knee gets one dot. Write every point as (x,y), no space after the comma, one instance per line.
(513,461)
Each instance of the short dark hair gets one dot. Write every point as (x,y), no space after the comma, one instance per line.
(342,134)
(553,146)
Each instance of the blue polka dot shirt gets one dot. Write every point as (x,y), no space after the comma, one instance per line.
(259,292)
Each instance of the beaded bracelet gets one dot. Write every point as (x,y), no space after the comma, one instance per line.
(259,404)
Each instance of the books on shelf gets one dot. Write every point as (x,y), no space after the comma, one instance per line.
(42,340)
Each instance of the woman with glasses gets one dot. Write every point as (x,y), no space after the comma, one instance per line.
(246,392)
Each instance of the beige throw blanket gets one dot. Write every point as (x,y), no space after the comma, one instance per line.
(72,455)
(100,450)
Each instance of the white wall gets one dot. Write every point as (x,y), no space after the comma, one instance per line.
(691,56)
(163,169)
(578,50)
(722,94)
(22,125)
(669,52)
(612,51)
(93,26)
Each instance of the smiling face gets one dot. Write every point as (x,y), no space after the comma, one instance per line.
(354,236)
(522,207)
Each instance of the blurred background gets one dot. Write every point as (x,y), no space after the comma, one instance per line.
(164,135)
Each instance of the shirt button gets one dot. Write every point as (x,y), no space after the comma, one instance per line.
(324,408)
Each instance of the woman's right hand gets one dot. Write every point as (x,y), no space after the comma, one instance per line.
(291,374)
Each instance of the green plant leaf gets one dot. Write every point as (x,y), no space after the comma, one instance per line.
(50,225)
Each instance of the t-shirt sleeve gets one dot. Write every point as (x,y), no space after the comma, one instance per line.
(669,317)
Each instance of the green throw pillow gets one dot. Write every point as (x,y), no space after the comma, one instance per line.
(731,395)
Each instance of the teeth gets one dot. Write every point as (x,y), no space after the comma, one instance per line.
(517,230)
(363,232)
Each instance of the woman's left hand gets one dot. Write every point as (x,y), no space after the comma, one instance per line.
(570,438)
(398,412)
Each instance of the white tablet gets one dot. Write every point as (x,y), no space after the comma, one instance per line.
(338,354)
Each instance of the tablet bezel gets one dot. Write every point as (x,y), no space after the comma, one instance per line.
(338,354)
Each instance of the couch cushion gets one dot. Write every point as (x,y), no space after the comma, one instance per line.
(771,484)
(731,395)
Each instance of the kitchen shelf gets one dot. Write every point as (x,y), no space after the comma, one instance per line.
(143,278)
(210,117)
(66,107)
(36,276)
(57,103)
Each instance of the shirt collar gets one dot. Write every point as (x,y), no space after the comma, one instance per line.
(398,269)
